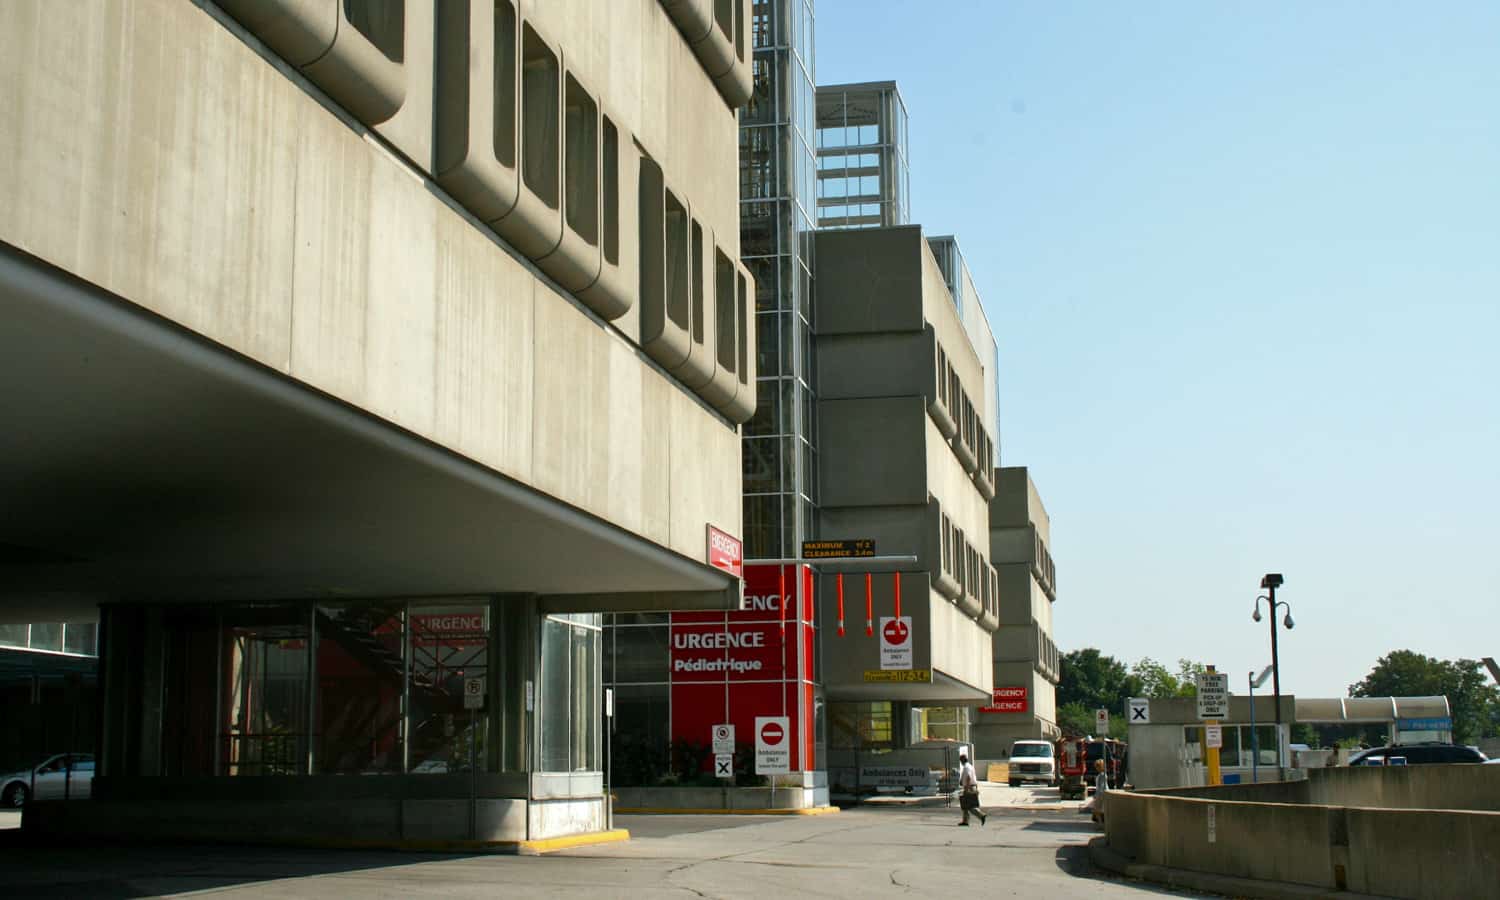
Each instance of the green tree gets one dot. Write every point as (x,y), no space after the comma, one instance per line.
(1075,719)
(1159,683)
(1078,720)
(1093,679)
(1090,680)
(1472,700)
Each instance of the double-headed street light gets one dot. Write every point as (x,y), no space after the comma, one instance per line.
(1270,583)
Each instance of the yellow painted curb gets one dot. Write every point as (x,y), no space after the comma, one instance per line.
(677,811)
(548,845)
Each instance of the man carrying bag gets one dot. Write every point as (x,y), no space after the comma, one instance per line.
(968,791)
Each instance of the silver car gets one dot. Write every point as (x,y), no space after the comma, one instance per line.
(66,775)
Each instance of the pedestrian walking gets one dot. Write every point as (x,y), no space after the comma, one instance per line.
(968,791)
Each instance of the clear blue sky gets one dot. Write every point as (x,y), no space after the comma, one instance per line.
(1243,264)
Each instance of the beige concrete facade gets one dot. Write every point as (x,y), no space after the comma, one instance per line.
(159,152)
(1024,654)
(894,363)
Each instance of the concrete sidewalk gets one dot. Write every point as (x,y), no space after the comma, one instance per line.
(884,852)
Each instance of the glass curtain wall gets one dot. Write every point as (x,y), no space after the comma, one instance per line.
(863,174)
(569,728)
(777,214)
(77,638)
(366,688)
(636,665)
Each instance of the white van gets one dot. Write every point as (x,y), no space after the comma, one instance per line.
(1032,761)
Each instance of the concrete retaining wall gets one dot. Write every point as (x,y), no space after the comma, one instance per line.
(1266,841)
(1470,787)
(1388,852)
(1265,792)
(1424,853)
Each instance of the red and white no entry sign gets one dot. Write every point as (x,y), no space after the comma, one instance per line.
(773,752)
(895,642)
(895,631)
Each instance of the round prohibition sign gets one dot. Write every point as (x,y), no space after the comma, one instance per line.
(721,733)
(772,734)
(895,632)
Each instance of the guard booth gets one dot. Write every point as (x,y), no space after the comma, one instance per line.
(1168,750)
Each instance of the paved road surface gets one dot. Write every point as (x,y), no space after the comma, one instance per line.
(916,851)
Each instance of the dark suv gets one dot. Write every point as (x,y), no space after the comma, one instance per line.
(1416,755)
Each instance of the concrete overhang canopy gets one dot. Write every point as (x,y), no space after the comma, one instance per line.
(139,460)
(1370,709)
(942,690)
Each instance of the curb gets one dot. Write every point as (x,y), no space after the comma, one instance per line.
(548,845)
(678,811)
(1107,859)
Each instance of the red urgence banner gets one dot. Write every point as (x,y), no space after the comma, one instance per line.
(1008,700)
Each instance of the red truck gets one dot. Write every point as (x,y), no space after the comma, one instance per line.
(1075,764)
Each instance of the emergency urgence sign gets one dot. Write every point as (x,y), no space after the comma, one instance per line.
(895,642)
(1007,700)
(773,745)
(725,552)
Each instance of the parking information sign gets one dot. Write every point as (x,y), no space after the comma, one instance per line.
(1213,695)
(773,745)
(1214,738)
(473,693)
(723,739)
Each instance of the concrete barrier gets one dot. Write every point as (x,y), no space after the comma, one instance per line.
(1264,841)
(1397,852)
(1472,787)
(1424,853)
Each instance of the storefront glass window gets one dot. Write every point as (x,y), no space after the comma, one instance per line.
(640,744)
(361,672)
(81,638)
(568,709)
(46,636)
(448,644)
(265,669)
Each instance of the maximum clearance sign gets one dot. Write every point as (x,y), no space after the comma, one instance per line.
(842,549)
(898,676)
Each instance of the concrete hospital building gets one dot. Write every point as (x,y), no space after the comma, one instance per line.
(359,356)
(394,382)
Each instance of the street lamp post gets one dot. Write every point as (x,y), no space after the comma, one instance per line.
(1270,583)
(1255,681)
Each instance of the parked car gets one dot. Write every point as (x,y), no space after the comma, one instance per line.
(68,775)
(1416,755)
(1032,761)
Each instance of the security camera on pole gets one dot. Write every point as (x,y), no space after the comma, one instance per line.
(1270,583)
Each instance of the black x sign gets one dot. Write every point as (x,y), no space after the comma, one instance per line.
(722,768)
(1137,713)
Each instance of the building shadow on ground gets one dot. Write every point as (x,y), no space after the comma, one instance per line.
(117,870)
